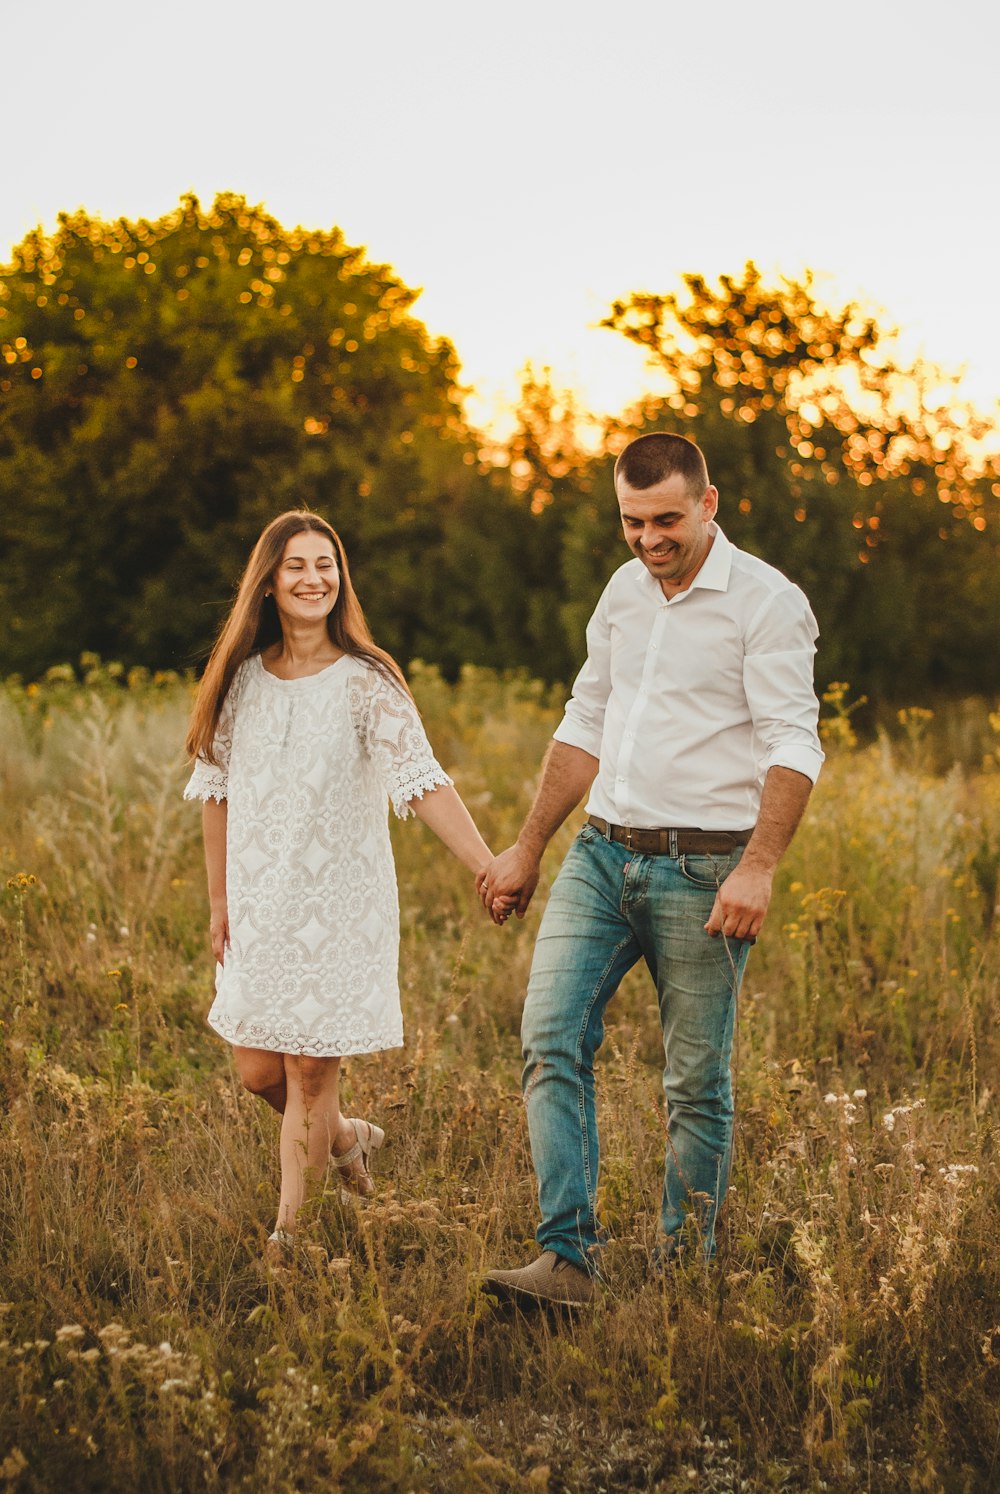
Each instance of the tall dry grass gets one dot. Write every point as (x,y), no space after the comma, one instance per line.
(848,1336)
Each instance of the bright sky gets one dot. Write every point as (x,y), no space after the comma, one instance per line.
(527,163)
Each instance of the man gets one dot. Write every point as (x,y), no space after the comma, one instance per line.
(693,726)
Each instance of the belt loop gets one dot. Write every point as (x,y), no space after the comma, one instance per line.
(628,837)
(672,842)
(608,827)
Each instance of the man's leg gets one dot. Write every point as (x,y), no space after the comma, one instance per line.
(584,948)
(697,980)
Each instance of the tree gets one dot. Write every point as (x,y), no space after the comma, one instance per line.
(834,464)
(168,387)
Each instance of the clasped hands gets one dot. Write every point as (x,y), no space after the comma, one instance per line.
(506,885)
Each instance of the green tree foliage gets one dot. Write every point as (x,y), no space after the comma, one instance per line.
(833,463)
(167,388)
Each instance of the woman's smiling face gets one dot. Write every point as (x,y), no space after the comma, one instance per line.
(306,583)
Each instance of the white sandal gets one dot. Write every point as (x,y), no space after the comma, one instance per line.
(278,1249)
(357,1182)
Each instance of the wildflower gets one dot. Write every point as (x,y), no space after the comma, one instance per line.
(848,1110)
(114,974)
(68,1332)
(21,882)
(123,931)
(891,1116)
(957,1172)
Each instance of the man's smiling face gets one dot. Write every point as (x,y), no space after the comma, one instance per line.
(668,528)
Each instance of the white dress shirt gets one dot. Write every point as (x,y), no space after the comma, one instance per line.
(688,702)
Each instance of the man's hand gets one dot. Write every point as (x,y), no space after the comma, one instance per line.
(508,883)
(741,903)
(218,928)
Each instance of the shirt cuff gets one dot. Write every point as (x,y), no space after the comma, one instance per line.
(806,760)
(575,734)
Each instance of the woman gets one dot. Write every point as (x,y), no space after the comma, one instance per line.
(301,729)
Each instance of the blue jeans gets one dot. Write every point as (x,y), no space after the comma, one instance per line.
(607,907)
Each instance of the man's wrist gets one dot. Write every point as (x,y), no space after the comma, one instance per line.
(532,844)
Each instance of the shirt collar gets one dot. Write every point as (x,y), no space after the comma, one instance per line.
(713,576)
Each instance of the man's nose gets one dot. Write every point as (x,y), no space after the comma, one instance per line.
(650,538)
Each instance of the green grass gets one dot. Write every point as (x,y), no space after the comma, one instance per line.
(847,1338)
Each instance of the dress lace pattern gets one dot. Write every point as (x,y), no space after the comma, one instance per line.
(306,766)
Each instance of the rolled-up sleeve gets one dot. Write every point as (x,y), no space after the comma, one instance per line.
(778,679)
(582,724)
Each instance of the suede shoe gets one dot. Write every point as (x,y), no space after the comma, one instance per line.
(551,1280)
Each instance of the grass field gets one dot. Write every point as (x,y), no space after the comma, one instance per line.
(848,1336)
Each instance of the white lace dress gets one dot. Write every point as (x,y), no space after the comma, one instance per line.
(306,766)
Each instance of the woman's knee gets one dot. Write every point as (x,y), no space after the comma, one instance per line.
(314,1075)
(259,1071)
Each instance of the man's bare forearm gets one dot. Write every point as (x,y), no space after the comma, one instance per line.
(782,805)
(567,774)
(743,898)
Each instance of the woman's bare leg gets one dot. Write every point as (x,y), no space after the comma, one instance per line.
(310,1127)
(263,1073)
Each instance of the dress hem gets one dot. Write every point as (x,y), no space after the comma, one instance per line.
(304,1051)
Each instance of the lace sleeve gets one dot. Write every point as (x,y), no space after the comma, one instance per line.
(211,780)
(393,736)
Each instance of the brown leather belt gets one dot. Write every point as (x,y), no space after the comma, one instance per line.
(672,842)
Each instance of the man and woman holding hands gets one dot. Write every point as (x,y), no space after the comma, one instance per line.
(691,733)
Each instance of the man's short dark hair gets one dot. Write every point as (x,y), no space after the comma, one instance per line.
(653,458)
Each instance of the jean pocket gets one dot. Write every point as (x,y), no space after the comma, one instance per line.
(708,872)
(589,833)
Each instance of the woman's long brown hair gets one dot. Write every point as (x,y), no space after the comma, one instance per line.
(253,625)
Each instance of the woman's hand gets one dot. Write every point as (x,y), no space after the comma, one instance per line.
(218,927)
